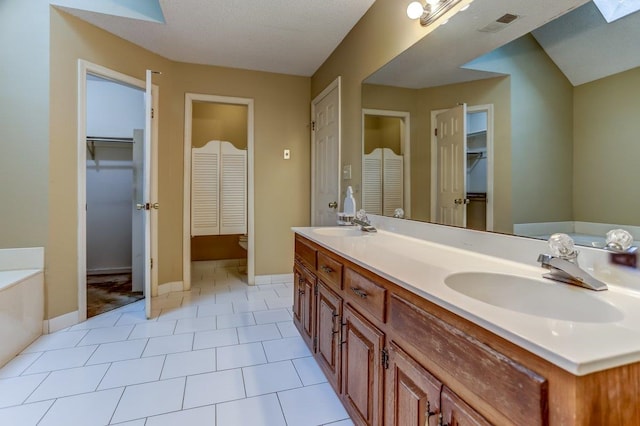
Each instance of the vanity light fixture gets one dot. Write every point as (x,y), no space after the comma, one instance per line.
(431,10)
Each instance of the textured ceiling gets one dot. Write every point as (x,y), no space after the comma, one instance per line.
(283,36)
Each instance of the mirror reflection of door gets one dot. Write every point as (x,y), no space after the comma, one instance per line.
(461,175)
(385,162)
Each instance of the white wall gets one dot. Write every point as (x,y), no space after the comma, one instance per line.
(113,110)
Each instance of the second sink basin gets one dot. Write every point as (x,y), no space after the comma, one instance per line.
(534,297)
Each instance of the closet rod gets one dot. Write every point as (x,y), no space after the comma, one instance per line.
(91,140)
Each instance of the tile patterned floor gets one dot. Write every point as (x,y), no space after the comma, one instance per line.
(222,354)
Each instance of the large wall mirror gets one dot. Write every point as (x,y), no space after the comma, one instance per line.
(558,145)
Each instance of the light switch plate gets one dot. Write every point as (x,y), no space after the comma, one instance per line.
(287,154)
(346,172)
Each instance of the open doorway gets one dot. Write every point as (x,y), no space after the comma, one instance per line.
(468,167)
(117,177)
(218,209)
(115,123)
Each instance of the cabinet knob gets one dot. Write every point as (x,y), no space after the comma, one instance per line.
(326,269)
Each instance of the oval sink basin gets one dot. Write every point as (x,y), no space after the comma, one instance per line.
(339,231)
(534,297)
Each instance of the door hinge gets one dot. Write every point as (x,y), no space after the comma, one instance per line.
(153,113)
(313,125)
(436,131)
(315,290)
(152,262)
(315,343)
(385,359)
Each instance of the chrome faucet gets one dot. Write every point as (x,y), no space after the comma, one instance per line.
(563,264)
(362,220)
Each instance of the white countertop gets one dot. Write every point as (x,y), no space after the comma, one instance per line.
(421,267)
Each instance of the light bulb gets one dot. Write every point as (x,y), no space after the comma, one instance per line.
(415,10)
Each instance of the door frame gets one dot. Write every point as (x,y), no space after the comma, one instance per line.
(405,147)
(84,68)
(337,83)
(488,108)
(186,230)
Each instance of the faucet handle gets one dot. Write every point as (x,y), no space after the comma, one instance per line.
(562,245)
(362,215)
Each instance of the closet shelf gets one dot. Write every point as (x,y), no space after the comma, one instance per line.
(91,143)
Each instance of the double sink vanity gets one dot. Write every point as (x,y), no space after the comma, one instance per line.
(411,331)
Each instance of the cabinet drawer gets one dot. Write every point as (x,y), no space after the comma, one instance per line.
(365,293)
(330,271)
(305,253)
(516,392)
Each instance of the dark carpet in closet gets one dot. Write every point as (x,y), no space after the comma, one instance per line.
(109,291)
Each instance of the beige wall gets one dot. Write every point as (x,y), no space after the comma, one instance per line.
(24,122)
(215,121)
(281,121)
(382,132)
(607,149)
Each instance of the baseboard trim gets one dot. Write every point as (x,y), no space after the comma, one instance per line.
(60,322)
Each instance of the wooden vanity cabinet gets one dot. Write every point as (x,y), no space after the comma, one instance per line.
(328,327)
(304,303)
(456,412)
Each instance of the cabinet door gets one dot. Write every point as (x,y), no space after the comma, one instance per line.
(362,368)
(308,309)
(329,307)
(412,393)
(298,290)
(456,412)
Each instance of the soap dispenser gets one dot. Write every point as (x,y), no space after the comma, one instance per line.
(349,205)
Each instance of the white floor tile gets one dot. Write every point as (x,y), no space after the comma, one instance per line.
(240,356)
(309,371)
(17,365)
(269,378)
(249,306)
(231,296)
(280,302)
(14,391)
(274,315)
(95,408)
(153,329)
(190,325)
(207,309)
(258,411)
(132,372)
(150,399)
(106,335)
(61,358)
(24,415)
(139,422)
(189,363)
(261,294)
(118,351)
(235,320)
(257,333)
(60,340)
(213,388)
(346,422)
(69,382)
(289,348)
(132,317)
(288,329)
(205,416)
(311,405)
(104,320)
(178,313)
(215,338)
(169,344)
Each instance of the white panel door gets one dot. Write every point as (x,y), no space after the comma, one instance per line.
(146,192)
(326,158)
(452,165)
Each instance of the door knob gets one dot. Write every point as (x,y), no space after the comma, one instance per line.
(142,206)
(155,206)
(461,201)
(333,205)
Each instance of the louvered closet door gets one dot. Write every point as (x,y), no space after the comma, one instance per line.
(205,192)
(372,186)
(392,185)
(233,190)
